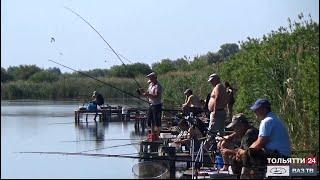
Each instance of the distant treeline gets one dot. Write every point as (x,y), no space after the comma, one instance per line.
(282,66)
(32,82)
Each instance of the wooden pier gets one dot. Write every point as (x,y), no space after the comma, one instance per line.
(105,113)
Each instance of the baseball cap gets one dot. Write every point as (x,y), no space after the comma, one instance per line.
(152,74)
(260,103)
(212,76)
(188,91)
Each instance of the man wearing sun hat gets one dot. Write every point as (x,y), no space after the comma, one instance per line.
(154,95)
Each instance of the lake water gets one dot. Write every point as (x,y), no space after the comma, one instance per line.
(49,126)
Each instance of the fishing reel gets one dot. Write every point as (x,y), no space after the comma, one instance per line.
(140,91)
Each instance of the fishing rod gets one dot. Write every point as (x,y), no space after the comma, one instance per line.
(109,147)
(71,123)
(164,158)
(102,140)
(104,41)
(110,85)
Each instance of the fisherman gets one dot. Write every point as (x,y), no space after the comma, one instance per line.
(188,132)
(192,103)
(97,98)
(273,140)
(217,104)
(154,94)
(231,100)
(97,101)
(243,136)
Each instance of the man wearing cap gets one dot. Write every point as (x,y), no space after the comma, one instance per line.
(192,103)
(154,94)
(243,136)
(273,140)
(217,104)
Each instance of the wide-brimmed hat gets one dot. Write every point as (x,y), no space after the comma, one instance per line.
(238,119)
(260,103)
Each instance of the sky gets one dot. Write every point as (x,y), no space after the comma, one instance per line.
(144,31)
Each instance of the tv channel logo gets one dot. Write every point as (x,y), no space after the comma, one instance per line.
(278,171)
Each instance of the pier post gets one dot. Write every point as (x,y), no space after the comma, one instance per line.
(109,113)
(75,116)
(171,153)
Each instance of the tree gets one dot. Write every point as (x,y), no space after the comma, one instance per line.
(5,77)
(164,66)
(55,70)
(181,64)
(44,76)
(227,50)
(213,57)
(23,72)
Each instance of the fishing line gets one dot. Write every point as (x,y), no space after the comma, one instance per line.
(52,41)
(102,140)
(109,147)
(82,73)
(110,85)
(104,41)
(163,158)
(68,123)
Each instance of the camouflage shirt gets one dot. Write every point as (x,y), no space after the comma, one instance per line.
(249,137)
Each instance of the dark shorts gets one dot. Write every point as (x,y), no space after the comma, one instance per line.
(154,115)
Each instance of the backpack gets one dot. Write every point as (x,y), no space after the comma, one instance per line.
(100,99)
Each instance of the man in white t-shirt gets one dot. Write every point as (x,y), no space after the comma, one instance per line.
(154,95)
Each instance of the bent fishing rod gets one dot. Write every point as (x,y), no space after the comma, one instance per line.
(77,14)
(110,85)
(105,83)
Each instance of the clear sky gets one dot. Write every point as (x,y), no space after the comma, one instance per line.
(141,30)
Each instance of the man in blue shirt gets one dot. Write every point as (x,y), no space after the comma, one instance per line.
(273,139)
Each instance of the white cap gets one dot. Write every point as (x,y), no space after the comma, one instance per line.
(212,76)
(152,74)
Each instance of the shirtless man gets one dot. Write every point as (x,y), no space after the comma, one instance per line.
(192,103)
(217,105)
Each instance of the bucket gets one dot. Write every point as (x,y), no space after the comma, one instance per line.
(219,162)
(150,170)
(91,107)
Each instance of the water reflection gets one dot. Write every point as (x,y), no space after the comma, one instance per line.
(92,131)
(95,132)
(54,130)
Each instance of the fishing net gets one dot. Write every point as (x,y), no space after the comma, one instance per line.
(150,170)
